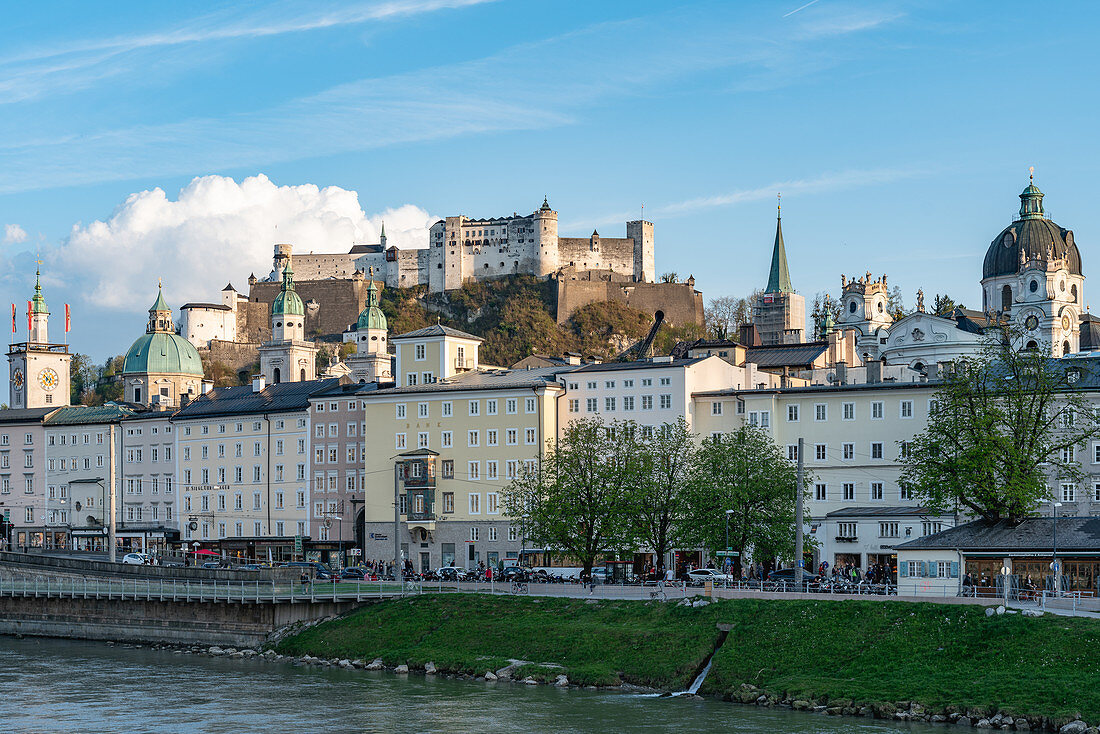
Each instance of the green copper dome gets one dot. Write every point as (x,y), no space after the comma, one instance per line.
(161,353)
(161,350)
(38,303)
(372,316)
(288,302)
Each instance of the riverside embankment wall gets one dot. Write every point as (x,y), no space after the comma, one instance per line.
(155,621)
(34,563)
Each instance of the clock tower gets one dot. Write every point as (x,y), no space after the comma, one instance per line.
(39,370)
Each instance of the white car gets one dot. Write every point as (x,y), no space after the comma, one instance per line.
(137,559)
(701,575)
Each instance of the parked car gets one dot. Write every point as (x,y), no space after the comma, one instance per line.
(250,567)
(601,575)
(314,569)
(789,576)
(513,573)
(212,564)
(137,559)
(354,574)
(451,573)
(700,576)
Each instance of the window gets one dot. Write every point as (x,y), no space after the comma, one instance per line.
(448,501)
(399,441)
(448,409)
(905,492)
(474,534)
(511,437)
(591,405)
(904,449)
(666,402)
(820,451)
(421,440)
(1096,492)
(1069,492)
(792,452)
(1067,454)
(792,413)
(491,437)
(513,533)
(473,438)
(490,407)
(876,450)
(529,405)
(888,530)
(301,502)
(448,468)
(821,412)
(529,436)
(491,505)
(609,404)
(510,406)
(715,408)
(473,470)
(574,405)
(421,412)
(475,407)
(931,527)
(628,402)
(876,410)
(849,411)
(876,490)
(400,412)
(849,450)
(492,534)
(475,503)
(647,402)
(849,491)
(446,439)
(421,352)
(846,530)
(906,409)
(821,492)
(666,381)
(279,504)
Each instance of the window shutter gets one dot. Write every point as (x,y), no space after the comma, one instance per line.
(954,569)
(924,568)
(903,569)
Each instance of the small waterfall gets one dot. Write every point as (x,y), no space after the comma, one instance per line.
(694,687)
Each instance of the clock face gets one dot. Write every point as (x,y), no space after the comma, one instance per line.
(1031,322)
(1065,322)
(48,379)
(17,379)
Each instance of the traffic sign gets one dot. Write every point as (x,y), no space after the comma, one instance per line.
(297,543)
(801,563)
(725,554)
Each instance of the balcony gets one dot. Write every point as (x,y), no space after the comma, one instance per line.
(464,363)
(420,505)
(847,539)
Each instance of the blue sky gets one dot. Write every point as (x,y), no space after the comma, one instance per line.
(900,134)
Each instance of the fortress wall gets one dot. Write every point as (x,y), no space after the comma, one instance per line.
(680,302)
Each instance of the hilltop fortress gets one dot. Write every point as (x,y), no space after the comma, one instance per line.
(459,250)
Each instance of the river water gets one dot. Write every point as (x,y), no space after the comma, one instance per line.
(70,686)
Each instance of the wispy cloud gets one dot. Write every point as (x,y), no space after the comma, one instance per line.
(832,181)
(65,66)
(506,91)
(14,233)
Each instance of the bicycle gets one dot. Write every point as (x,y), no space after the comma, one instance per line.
(519,587)
(659,593)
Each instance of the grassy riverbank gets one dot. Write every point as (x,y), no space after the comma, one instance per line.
(824,651)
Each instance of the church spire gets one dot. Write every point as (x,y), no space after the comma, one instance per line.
(779,279)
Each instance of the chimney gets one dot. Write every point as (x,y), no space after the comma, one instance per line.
(185,399)
(259,382)
(842,373)
(874,371)
(572,358)
(207,386)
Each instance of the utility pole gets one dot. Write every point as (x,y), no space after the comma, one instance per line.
(112,497)
(798,517)
(398,569)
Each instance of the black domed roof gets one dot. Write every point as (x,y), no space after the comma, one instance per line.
(1031,237)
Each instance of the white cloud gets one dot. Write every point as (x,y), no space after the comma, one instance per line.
(14,233)
(217,230)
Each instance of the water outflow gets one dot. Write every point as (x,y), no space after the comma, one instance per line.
(696,684)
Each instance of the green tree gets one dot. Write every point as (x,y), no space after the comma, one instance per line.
(83,373)
(724,316)
(746,472)
(576,498)
(944,304)
(108,386)
(1000,426)
(895,304)
(657,503)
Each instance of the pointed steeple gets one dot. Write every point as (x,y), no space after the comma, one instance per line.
(779,279)
(382,237)
(38,303)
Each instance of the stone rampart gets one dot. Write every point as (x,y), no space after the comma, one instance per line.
(680,302)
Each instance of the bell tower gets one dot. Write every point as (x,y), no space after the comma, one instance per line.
(39,371)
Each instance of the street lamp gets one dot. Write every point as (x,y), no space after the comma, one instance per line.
(1054,563)
(725,560)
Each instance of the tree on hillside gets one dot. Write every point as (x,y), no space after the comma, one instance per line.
(724,316)
(744,471)
(525,328)
(576,498)
(219,372)
(83,374)
(1001,425)
(657,503)
(108,385)
(595,326)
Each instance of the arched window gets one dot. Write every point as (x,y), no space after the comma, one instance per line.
(1031,346)
(137,394)
(1006,298)
(276,376)
(303,375)
(1073,293)
(1065,348)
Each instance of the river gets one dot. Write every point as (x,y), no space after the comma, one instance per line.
(72,686)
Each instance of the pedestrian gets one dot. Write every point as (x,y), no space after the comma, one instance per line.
(304,579)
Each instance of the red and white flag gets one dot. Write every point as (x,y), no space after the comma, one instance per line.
(30,312)
(68,321)
(13,318)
